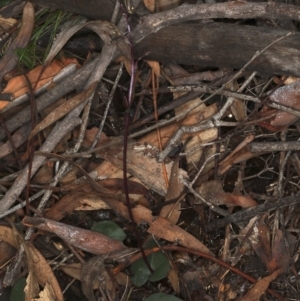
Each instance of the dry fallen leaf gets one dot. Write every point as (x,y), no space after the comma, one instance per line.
(141,163)
(260,287)
(9,60)
(288,95)
(212,191)
(41,273)
(275,257)
(87,240)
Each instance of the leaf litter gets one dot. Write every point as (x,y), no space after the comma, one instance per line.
(189,168)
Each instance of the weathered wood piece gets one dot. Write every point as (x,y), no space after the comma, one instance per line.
(208,44)
(223,45)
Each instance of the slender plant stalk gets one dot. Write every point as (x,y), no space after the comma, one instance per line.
(128,101)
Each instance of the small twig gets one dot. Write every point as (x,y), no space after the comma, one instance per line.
(245,10)
(283,107)
(210,205)
(246,214)
(210,89)
(128,101)
(277,146)
(175,140)
(110,98)
(54,137)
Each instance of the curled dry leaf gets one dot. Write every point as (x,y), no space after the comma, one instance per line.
(239,154)
(42,273)
(94,275)
(90,241)
(212,191)
(10,59)
(172,212)
(288,95)
(106,31)
(86,198)
(7,235)
(141,163)
(275,257)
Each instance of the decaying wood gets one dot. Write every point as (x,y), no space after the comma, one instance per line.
(208,44)
(223,45)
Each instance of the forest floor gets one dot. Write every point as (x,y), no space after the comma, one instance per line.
(152,154)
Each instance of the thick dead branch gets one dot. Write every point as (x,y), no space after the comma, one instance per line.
(223,45)
(209,44)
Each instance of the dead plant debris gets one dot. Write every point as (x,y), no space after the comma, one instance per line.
(151,151)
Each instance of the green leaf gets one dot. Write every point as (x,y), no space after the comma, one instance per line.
(162,297)
(110,229)
(158,262)
(17,292)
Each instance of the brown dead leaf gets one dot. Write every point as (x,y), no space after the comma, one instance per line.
(260,241)
(286,80)
(72,201)
(19,86)
(259,287)
(239,154)
(7,252)
(155,67)
(280,254)
(212,191)
(10,59)
(159,226)
(106,31)
(7,24)
(90,136)
(32,287)
(7,235)
(150,5)
(288,95)
(86,198)
(46,294)
(141,164)
(172,212)
(90,241)
(41,273)
(274,258)
(91,273)
(44,175)
(72,269)
(174,280)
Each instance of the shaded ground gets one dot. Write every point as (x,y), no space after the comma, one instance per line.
(203,204)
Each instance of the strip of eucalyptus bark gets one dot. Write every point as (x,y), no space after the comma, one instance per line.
(277,146)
